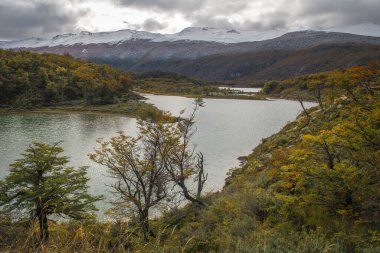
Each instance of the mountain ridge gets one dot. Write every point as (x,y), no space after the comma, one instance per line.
(216,61)
(188,34)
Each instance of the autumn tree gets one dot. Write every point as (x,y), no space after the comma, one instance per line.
(333,173)
(29,79)
(42,184)
(138,168)
(147,167)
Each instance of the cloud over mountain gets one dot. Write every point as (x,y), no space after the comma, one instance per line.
(22,18)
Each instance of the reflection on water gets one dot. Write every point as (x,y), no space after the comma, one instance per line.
(227,129)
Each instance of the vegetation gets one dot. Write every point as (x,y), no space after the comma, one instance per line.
(49,82)
(159,82)
(164,83)
(41,184)
(148,166)
(29,80)
(313,87)
(313,187)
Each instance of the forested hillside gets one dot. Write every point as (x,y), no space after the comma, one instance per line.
(160,82)
(313,187)
(30,80)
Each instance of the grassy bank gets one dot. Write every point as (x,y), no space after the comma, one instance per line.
(131,108)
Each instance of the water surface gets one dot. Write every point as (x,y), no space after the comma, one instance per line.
(226,129)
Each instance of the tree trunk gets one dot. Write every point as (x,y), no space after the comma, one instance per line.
(187,195)
(201,174)
(44,230)
(304,109)
(144,223)
(318,95)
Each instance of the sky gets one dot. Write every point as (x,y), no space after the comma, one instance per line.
(46,18)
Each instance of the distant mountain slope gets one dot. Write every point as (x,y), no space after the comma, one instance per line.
(270,65)
(262,65)
(259,60)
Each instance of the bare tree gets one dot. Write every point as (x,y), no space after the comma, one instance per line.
(318,86)
(182,163)
(146,167)
(303,108)
(137,166)
(202,176)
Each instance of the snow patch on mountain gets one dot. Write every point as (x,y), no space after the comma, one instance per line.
(188,34)
(221,35)
(83,38)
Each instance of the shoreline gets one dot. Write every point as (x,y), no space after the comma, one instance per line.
(239,97)
(133,109)
(61,111)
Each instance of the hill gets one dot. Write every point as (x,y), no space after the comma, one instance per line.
(29,79)
(276,64)
(313,187)
(49,82)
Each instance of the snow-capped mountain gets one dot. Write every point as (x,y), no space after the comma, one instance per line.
(217,54)
(189,34)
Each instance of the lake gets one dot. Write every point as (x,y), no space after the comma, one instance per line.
(226,129)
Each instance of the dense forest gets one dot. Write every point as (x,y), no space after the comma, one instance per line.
(32,80)
(313,187)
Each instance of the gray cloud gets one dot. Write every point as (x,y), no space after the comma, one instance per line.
(327,13)
(163,5)
(153,25)
(26,18)
(270,14)
(36,18)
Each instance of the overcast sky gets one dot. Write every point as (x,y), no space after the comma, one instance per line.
(46,18)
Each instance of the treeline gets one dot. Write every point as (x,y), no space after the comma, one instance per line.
(160,82)
(315,86)
(30,80)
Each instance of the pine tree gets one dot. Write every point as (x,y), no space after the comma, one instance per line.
(41,184)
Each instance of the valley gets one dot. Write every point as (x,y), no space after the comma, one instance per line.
(205,139)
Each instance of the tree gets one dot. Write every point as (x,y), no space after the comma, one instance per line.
(317,86)
(181,163)
(137,166)
(147,166)
(41,184)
